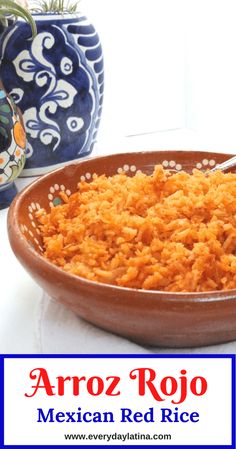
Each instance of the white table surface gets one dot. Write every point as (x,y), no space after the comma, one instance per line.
(20,295)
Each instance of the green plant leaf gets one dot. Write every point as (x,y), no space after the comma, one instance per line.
(8,7)
(56,6)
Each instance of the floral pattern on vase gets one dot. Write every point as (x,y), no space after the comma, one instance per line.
(12,148)
(12,141)
(57,81)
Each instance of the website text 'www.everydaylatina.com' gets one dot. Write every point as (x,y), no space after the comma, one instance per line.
(121,437)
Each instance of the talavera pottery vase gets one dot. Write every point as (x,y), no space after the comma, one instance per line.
(12,148)
(57,82)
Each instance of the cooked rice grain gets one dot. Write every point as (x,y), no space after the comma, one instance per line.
(165,232)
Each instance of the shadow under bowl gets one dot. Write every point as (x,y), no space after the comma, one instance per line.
(147,317)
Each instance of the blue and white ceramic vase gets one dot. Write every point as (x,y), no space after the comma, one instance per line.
(57,82)
(12,148)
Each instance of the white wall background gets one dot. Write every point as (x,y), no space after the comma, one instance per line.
(168,64)
(211,66)
(143,46)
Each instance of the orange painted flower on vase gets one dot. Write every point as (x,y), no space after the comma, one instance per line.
(19,135)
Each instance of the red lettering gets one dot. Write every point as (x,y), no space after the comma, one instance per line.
(202,384)
(172,384)
(42,375)
(94,385)
(143,381)
(61,384)
(169,385)
(183,388)
(114,382)
(76,382)
(95,390)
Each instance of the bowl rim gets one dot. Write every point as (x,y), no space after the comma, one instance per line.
(25,248)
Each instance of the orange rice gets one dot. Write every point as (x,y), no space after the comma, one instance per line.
(165,232)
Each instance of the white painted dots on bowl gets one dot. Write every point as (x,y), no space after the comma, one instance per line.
(87,176)
(54,188)
(172,164)
(165,164)
(24,228)
(206,164)
(127,168)
(133,168)
(178,167)
(32,208)
(54,194)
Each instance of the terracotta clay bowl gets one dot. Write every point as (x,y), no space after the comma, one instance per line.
(147,317)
